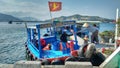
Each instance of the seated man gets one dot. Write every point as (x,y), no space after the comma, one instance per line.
(47,47)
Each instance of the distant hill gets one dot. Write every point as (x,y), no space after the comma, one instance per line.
(78,17)
(6,18)
(29,19)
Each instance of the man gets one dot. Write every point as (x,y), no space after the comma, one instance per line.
(93,31)
(63,39)
(95,34)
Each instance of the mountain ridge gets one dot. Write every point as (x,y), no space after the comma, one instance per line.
(6,18)
(28,19)
(76,17)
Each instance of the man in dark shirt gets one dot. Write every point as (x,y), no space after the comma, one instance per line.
(63,39)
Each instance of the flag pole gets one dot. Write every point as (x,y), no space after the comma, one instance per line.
(52,22)
(54,6)
(51,15)
(52,19)
(116,29)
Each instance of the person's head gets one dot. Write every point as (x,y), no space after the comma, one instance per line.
(85,25)
(94,25)
(48,45)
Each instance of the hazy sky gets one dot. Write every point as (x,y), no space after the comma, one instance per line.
(39,8)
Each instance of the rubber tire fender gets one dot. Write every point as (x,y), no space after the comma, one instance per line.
(57,62)
(71,59)
(90,50)
(45,62)
(97,59)
(81,52)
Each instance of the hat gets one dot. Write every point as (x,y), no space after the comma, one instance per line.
(85,25)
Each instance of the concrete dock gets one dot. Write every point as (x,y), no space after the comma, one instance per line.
(6,65)
(36,64)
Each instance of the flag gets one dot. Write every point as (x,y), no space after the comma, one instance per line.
(55,6)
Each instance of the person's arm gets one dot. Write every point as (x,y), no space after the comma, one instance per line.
(83,29)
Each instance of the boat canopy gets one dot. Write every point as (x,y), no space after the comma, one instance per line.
(57,24)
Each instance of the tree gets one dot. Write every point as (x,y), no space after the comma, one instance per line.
(106,35)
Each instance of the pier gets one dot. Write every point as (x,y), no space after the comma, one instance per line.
(36,64)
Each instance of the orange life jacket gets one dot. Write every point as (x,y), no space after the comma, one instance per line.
(68,46)
(61,47)
(71,46)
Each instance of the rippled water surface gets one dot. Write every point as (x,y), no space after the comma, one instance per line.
(12,38)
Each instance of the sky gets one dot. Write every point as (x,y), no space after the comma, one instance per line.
(39,8)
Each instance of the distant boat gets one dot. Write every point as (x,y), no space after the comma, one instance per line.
(10,22)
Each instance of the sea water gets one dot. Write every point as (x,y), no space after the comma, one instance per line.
(107,26)
(13,38)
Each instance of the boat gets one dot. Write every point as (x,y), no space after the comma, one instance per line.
(10,22)
(53,52)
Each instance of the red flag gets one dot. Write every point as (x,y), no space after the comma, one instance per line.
(55,6)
